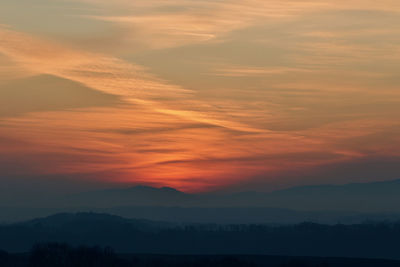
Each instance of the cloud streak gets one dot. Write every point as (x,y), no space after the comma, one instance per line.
(210,93)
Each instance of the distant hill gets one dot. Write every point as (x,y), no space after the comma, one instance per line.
(348,204)
(366,197)
(133,196)
(357,197)
(99,221)
(219,215)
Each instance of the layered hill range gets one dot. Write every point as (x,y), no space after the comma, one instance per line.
(367,240)
(350,203)
(361,197)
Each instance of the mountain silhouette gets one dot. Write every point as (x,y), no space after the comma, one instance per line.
(350,203)
(356,197)
(133,196)
(92,221)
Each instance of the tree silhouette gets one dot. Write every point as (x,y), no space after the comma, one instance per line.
(62,255)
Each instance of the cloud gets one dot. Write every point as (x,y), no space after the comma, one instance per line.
(47,93)
(212,93)
(244,71)
(107,74)
(158,24)
(46,57)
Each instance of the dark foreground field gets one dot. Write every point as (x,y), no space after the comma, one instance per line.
(62,255)
(86,239)
(369,240)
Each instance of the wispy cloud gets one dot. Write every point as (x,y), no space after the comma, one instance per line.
(225,92)
(157,24)
(243,71)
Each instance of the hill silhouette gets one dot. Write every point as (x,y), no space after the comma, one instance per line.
(137,196)
(357,197)
(349,204)
(371,240)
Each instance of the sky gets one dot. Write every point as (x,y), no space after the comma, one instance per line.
(198,95)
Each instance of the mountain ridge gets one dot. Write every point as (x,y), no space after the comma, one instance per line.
(381,196)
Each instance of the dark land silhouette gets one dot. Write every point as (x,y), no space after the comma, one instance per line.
(326,204)
(369,240)
(63,255)
(218,215)
(347,225)
(356,197)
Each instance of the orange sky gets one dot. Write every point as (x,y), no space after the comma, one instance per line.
(200,95)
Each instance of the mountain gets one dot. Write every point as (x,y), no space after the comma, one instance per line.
(357,197)
(133,196)
(377,197)
(91,221)
(212,215)
(365,197)
(350,203)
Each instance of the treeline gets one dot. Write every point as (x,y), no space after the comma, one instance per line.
(63,255)
(368,240)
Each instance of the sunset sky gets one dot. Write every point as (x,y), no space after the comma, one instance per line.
(199,95)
